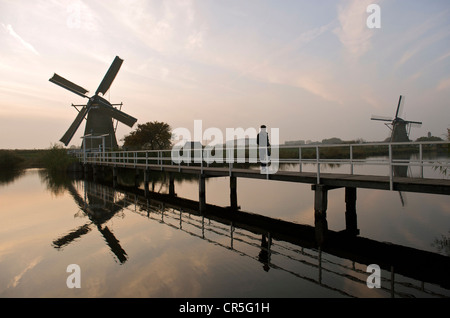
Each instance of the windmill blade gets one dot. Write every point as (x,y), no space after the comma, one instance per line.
(381,118)
(401,102)
(74,88)
(118,114)
(110,76)
(71,236)
(76,123)
(414,122)
(113,244)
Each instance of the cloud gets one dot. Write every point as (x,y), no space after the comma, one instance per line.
(353,32)
(18,277)
(424,44)
(195,40)
(167,27)
(80,16)
(16,36)
(444,84)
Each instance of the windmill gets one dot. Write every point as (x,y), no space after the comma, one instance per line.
(400,128)
(98,112)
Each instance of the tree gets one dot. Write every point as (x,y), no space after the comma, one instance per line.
(432,138)
(149,136)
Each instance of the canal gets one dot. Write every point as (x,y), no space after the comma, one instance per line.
(129,245)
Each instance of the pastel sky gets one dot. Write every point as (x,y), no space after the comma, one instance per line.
(313,69)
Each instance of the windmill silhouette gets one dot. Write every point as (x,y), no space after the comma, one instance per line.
(98,111)
(399,127)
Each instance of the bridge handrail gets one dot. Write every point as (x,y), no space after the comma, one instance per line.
(163,157)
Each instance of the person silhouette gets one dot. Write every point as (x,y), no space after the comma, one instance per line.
(262,141)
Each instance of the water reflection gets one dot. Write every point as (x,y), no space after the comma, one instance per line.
(338,265)
(56,182)
(130,242)
(8,176)
(97,205)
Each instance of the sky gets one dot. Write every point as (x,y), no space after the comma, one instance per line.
(311,69)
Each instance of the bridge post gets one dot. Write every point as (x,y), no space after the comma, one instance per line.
(233,193)
(171,184)
(114,176)
(351,225)
(136,178)
(95,170)
(320,211)
(202,193)
(146,181)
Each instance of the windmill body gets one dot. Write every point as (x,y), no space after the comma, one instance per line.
(399,131)
(99,123)
(98,112)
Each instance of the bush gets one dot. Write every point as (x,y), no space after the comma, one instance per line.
(9,160)
(57,159)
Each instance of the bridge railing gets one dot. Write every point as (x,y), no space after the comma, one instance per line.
(393,156)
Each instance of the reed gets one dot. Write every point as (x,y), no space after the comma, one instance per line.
(57,159)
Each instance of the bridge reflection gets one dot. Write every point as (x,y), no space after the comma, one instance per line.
(276,244)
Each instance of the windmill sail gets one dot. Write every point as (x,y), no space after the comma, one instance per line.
(74,88)
(110,76)
(120,116)
(73,128)
(381,118)
(401,101)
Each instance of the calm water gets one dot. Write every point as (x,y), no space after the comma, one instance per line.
(130,246)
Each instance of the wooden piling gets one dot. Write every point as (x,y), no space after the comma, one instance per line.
(202,193)
(233,193)
(146,181)
(320,212)
(115,173)
(351,225)
(171,184)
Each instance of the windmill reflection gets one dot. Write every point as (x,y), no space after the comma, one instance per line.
(99,208)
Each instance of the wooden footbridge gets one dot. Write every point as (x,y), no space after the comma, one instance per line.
(421,156)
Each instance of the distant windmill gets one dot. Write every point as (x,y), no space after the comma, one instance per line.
(400,128)
(99,112)
(399,133)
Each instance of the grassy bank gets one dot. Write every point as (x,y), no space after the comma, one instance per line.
(22,159)
(54,158)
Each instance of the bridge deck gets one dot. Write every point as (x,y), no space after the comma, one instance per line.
(421,185)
